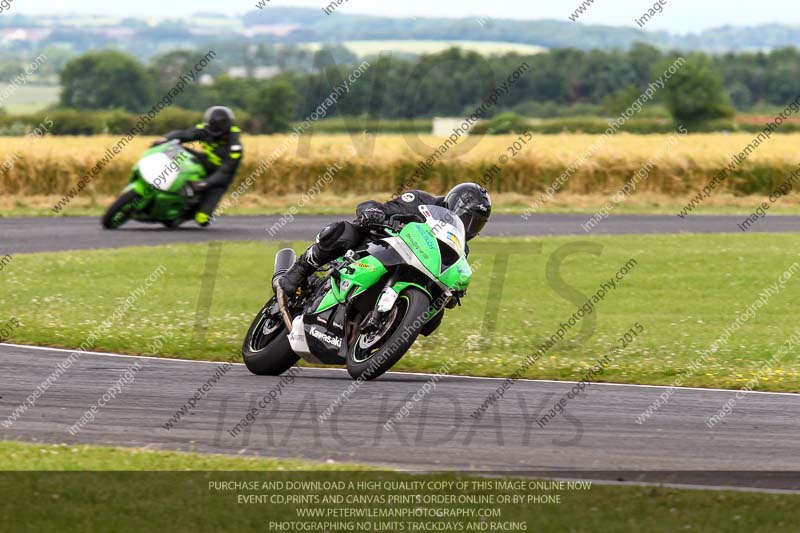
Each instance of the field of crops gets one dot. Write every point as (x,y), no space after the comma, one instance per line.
(378,164)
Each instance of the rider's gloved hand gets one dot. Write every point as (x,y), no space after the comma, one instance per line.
(371,217)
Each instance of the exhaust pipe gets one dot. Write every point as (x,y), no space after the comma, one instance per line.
(284,259)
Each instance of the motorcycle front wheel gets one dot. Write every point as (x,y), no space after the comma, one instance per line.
(372,354)
(121,210)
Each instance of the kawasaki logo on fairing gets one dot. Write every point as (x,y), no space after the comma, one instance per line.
(324,337)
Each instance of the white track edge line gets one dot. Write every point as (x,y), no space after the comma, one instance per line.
(457,376)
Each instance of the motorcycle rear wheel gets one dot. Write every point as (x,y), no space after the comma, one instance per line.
(266,350)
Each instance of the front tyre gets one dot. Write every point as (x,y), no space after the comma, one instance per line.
(172,224)
(266,350)
(121,210)
(374,353)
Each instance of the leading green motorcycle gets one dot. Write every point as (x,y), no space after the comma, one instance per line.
(157,191)
(370,306)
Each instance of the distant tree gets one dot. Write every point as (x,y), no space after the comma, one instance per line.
(271,106)
(233,92)
(166,69)
(740,95)
(694,94)
(57,57)
(293,58)
(621,100)
(105,80)
(264,54)
(781,82)
(332,55)
(642,57)
(9,70)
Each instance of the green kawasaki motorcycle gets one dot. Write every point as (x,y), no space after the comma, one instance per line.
(156,190)
(370,306)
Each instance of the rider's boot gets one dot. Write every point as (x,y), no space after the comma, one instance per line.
(288,284)
(202,219)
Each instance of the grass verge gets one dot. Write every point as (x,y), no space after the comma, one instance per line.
(684,290)
(41,494)
(19,456)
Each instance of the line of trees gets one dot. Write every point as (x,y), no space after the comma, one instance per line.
(450,83)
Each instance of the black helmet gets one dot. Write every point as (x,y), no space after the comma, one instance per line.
(472,204)
(218,120)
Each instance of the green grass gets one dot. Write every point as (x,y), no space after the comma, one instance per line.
(65,457)
(685,291)
(54,488)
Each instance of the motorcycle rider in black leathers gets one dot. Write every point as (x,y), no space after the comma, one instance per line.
(220,156)
(469,201)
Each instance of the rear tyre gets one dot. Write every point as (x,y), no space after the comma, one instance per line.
(121,210)
(266,350)
(371,355)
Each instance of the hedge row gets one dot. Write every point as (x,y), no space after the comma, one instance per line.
(75,122)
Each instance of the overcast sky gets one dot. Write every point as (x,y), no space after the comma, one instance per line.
(678,15)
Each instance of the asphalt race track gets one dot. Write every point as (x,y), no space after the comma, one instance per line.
(25,235)
(596,434)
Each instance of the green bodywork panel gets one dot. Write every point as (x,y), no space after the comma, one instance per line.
(422,241)
(328,301)
(458,276)
(356,277)
(420,238)
(400,286)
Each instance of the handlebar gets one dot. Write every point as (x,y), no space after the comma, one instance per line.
(395,222)
(397,217)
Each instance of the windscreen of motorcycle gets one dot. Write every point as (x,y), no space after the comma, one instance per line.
(446,226)
(159,170)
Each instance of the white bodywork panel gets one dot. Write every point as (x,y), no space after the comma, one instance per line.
(387,300)
(297,338)
(159,170)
